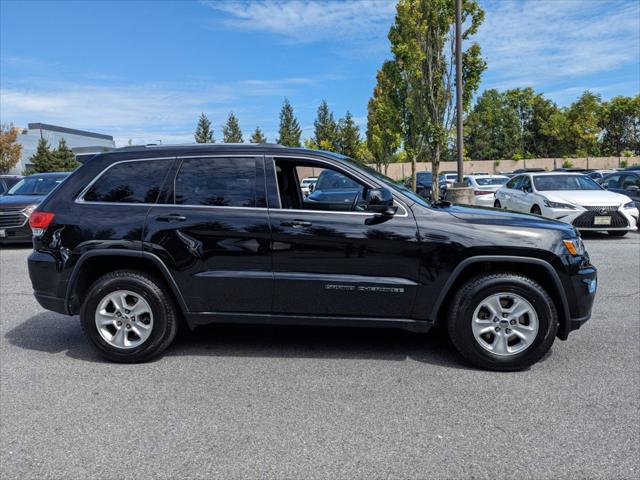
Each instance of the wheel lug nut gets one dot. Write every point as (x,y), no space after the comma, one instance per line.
(119,323)
(505,315)
(508,330)
(495,320)
(127,312)
(512,322)
(128,326)
(118,314)
(497,329)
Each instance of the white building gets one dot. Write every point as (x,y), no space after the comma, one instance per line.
(80,141)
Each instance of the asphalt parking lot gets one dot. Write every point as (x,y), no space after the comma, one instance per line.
(291,402)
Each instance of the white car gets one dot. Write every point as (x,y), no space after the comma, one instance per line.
(306,185)
(569,197)
(485,187)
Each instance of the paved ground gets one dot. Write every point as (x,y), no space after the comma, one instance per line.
(262,402)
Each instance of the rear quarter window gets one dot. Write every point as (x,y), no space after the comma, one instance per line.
(136,181)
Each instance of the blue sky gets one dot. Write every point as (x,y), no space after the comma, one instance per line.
(145,70)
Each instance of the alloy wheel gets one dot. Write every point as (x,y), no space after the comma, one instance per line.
(124,319)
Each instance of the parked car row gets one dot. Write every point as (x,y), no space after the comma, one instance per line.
(20,200)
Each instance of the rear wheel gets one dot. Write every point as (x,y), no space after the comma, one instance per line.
(502,321)
(536,210)
(129,316)
(497,204)
(617,233)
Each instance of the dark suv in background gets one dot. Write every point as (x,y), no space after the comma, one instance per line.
(141,239)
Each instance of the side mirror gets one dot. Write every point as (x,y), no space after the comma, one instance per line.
(605,186)
(380,200)
(633,188)
(312,187)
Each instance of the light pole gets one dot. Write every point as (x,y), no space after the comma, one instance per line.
(459,112)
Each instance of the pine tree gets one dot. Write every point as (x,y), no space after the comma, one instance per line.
(348,136)
(42,161)
(231,131)
(324,126)
(64,160)
(258,136)
(204,133)
(290,131)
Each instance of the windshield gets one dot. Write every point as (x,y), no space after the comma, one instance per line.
(564,182)
(35,186)
(491,181)
(424,177)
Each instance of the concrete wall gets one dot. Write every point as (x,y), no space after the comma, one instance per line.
(401,170)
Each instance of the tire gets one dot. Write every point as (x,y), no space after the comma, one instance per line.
(157,319)
(497,204)
(467,305)
(617,233)
(536,210)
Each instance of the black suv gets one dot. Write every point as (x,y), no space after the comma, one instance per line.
(141,239)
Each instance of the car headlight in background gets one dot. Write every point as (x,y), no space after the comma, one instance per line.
(629,205)
(551,204)
(29,210)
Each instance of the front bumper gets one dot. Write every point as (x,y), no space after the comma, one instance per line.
(622,219)
(20,234)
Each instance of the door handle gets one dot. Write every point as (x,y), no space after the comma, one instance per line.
(295,224)
(172,217)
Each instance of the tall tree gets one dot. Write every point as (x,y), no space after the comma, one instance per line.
(290,131)
(492,129)
(204,133)
(257,136)
(422,42)
(231,131)
(43,160)
(348,136)
(384,131)
(64,160)
(10,149)
(324,127)
(584,121)
(620,121)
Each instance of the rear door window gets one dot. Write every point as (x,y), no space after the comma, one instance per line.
(130,182)
(513,183)
(217,182)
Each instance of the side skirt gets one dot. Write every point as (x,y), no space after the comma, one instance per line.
(206,318)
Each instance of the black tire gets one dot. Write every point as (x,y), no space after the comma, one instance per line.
(617,233)
(472,293)
(497,204)
(160,300)
(536,210)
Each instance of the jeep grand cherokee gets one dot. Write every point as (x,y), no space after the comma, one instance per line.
(142,239)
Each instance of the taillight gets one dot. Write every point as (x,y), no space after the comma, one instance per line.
(481,192)
(39,222)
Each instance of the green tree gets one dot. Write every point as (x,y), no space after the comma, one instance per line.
(620,121)
(10,149)
(64,160)
(257,136)
(422,43)
(584,124)
(231,131)
(42,161)
(492,129)
(348,136)
(325,127)
(290,131)
(384,131)
(204,133)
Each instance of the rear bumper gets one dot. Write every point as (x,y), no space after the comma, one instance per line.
(49,286)
(48,302)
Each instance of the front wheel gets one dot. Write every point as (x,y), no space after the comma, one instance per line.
(129,316)
(497,204)
(617,233)
(536,210)
(502,321)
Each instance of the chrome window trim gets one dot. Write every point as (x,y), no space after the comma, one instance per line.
(80,198)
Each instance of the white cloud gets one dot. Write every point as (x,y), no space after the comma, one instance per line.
(307,21)
(532,43)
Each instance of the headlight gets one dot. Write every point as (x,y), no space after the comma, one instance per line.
(629,205)
(551,204)
(29,210)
